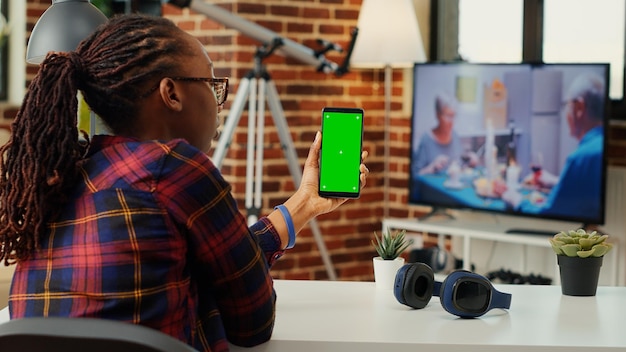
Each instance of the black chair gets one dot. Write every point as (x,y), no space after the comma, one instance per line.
(84,334)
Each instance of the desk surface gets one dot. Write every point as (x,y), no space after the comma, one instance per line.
(355,316)
(4,314)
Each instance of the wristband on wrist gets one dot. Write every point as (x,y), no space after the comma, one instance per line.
(289,221)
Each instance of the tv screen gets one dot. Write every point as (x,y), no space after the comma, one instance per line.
(521,139)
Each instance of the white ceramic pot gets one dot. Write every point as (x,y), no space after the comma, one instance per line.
(385,271)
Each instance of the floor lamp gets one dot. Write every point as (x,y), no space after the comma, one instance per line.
(61,28)
(389,37)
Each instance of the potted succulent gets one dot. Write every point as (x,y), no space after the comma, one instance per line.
(389,247)
(579,255)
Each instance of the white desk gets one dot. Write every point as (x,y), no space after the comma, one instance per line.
(355,316)
(469,230)
(4,315)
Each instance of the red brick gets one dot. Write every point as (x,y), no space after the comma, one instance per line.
(303,92)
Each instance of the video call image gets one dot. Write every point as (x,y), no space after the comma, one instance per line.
(514,138)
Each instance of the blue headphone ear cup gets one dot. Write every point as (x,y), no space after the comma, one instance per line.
(398,284)
(414,285)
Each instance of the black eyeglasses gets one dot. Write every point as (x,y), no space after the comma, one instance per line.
(218,84)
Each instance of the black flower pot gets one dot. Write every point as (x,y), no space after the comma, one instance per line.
(579,276)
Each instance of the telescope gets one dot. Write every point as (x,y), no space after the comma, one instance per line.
(285,46)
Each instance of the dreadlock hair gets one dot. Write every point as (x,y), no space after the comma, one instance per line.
(39,165)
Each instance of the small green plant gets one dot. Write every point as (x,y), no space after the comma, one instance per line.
(579,243)
(389,246)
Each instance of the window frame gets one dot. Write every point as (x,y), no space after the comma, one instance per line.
(444,40)
(4,57)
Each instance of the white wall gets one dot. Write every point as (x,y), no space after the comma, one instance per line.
(5,272)
(5,281)
(17,52)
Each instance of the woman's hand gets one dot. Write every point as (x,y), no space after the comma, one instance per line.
(310,181)
(306,203)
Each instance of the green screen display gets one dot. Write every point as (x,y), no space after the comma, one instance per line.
(342,132)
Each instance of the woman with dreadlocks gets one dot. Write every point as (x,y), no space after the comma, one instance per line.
(139,226)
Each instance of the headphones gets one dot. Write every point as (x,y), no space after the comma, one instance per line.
(414,285)
(462,293)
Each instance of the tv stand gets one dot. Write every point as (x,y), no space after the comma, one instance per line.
(480,230)
(467,231)
(535,232)
(531,232)
(436,212)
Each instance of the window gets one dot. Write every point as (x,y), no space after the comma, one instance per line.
(586,31)
(3,51)
(490,30)
(552,31)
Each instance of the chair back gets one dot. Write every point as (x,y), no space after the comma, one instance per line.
(56,334)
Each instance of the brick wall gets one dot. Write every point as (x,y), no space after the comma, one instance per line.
(303,93)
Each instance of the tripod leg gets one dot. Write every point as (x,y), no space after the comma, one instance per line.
(289,149)
(248,90)
(283,133)
(257,201)
(231,122)
(252,110)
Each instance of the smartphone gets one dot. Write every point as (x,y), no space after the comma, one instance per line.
(340,156)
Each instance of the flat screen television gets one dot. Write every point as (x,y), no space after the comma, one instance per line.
(526,139)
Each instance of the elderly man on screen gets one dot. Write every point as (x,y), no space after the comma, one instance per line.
(580,178)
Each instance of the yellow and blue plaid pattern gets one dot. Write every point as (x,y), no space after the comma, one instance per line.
(153,236)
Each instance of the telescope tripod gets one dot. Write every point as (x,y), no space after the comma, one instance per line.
(255,87)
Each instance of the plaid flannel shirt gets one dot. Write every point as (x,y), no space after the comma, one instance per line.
(153,236)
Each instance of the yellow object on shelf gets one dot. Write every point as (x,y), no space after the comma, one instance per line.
(495,104)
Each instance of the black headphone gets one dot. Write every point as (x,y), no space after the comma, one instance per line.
(414,285)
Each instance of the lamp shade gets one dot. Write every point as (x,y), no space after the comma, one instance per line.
(62,27)
(388,35)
